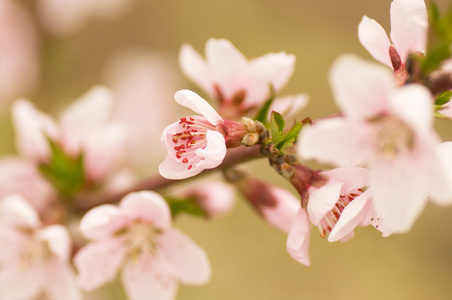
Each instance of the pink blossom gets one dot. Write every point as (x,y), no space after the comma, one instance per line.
(276,205)
(214,197)
(66,17)
(238,83)
(19,64)
(386,129)
(33,259)
(409,23)
(137,237)
(84,127)
(193,143)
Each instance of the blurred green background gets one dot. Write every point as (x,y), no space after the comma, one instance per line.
(248,257)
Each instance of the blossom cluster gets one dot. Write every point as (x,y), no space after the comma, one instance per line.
(75,214)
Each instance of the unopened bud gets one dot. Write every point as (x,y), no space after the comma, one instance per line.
(250,139)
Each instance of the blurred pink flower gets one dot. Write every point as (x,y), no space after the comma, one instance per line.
(409,24)
(193,143)
(214,197)
(137,237)
(276,205)
(85,127)
(68,16)
(239,84)
(33,258)
(19,63)
(387,129)
(21,177)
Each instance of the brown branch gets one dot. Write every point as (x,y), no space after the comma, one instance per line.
(233,157)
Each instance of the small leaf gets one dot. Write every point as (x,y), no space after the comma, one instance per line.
(261,116)
(277,125)
(291,136)
(188,206)
(443,98)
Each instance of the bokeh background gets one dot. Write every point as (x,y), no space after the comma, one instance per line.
(136,55)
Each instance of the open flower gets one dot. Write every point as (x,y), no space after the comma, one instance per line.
(388,130)
(193,143)
(84,128)
(237,83)
(33,259)
(137,237)
(409,23)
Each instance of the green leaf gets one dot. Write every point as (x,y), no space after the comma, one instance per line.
(188,206)
(277,125)
(263,112)
(443,98)
(65,173)
(290,137)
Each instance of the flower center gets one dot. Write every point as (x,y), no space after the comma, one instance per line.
(192,136)
(393,136)
(332,217)
(142,237)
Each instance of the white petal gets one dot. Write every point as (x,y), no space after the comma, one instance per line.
(374,38)
(298,239)
(147,277)
(337,141)
(99,262)
(174,169)
(147,206)
(188,261)
(360,88)
(289,106)
(409,23)
(351,217)
(321,201)
(214,152)
(193,101)
(226,63)
(18,283)
(58,240)
(444,151)
(196,69)
(281,214)
(60,282)
(352,178)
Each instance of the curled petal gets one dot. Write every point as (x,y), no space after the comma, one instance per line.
(214,152)
(188,261)
(323,200)
(58,240)
(193,101)
(298,239)
(374,38)
(172,169)
(17,212)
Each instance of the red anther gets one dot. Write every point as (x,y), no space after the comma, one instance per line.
(185,160)
(189,167)
(179,153)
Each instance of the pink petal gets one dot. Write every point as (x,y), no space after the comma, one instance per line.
(60,282)
(17,283)
(269,71)
(399,190)
(147,277)
(99,262)
(413,104)
(337,141)
(58,239)
(374,38)
(102,222)
(289,106)
(32,129)
(188,261)
(321,201)
(351,217)
(147,206)
(444,151)
(18,176)
(17,212)
(196,69)
(352,178)
(360,88)
(214,152)
(409,23)
(298,239)
(226,63)
(281,214)
(193,101)
(174,169)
